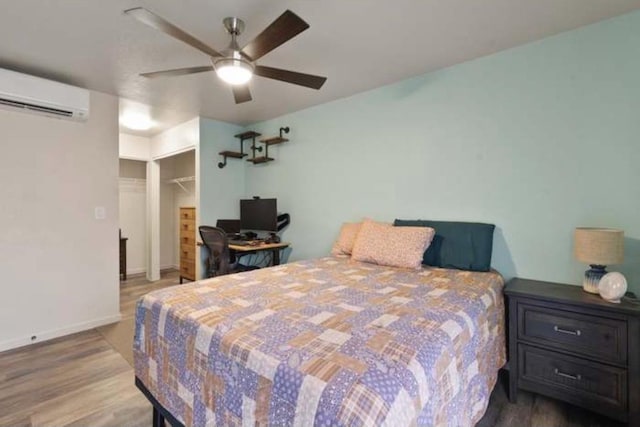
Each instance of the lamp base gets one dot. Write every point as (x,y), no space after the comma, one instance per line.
(592,278)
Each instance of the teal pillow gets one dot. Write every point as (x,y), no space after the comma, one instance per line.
(461,245)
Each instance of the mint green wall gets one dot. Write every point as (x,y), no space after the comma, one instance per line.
(538,140)
(220,189)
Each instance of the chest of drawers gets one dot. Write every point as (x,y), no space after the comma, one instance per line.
(574,346)
(187,225)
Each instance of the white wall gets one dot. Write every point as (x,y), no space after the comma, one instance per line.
(178,139)
(59,264)
(134,147)
(133,212)
(167,218)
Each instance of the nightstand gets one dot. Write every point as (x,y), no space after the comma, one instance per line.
(574,346)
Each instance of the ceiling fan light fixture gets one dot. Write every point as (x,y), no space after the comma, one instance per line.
(233,70)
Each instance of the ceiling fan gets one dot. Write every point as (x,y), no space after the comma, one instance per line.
(234,65)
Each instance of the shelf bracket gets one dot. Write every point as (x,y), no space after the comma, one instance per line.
(254,147)
(182,186)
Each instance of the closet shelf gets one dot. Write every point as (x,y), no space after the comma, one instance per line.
(132,180)
(179,181)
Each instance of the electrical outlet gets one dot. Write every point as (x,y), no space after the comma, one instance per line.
(100,212)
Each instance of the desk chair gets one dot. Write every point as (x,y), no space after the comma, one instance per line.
(219,262)
(231,227)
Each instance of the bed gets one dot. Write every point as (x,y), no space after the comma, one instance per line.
(329,341)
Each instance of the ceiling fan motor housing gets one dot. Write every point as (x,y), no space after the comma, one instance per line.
(234,26)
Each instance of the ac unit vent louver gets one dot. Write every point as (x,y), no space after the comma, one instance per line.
(36,108)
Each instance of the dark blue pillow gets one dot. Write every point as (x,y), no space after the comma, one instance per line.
(461,245)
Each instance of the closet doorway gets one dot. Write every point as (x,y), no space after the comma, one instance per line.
(178,191)
(132,185)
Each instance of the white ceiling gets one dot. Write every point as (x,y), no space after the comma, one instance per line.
(357,44)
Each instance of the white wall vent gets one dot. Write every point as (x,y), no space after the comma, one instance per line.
(36,95)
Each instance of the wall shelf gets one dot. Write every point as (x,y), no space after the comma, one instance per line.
(252,135)
(232,154)
(267,143)
(240,154)
(247,135)
(273,141)
(258,160)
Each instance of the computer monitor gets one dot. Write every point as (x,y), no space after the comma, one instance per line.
(259,214)
(230,226)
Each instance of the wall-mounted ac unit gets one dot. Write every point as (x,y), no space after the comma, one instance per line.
(34,94)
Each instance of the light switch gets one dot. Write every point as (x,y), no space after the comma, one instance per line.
(100,212)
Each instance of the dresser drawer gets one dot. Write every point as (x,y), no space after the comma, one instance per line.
(584,334)
(575,380)
(187,225)
(187,238)
(188,270)
(187,252)
(187,213)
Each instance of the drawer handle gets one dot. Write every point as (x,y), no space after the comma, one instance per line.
(577,332)
(576,377)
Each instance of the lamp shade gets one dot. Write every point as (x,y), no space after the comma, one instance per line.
(599,246)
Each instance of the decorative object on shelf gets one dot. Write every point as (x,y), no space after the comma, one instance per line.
(239,155)
(598,247)
(612,287)
(267,143)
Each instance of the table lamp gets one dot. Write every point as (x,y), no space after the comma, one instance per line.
(597,247)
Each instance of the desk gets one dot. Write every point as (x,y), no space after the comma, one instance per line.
(274,248)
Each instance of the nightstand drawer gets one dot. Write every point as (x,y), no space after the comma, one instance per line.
(591,336)
(573,379)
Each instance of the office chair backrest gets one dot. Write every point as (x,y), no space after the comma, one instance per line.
(230,226)
(215,239)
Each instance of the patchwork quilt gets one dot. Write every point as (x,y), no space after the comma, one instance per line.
(325,342)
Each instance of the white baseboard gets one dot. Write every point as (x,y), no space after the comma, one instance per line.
(55,333)
(131,271)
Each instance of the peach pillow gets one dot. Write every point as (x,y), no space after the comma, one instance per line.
(348,233)
(383,244)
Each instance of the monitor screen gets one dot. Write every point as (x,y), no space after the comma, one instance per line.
(259,214)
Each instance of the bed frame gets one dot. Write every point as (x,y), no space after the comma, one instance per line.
(160,414)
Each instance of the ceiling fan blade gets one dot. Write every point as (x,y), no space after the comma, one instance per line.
(241,94)
(287,26)
(307,80)
(155,21)
(177,72)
